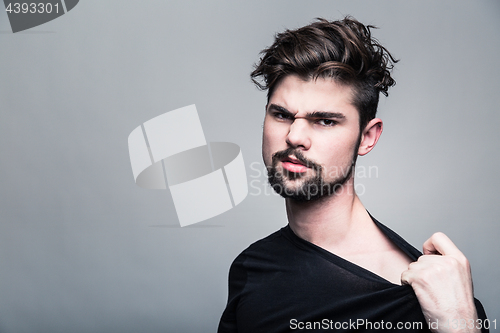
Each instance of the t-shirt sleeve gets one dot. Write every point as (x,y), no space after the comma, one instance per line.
(237,281)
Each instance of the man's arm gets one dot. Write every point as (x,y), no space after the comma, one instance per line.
(442,281)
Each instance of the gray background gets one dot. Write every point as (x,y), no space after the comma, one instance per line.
(83,249)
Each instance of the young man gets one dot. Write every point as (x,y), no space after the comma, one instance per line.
(334,267)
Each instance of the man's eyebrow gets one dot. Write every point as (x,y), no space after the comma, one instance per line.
(315,114)
(325,114)
(280,109)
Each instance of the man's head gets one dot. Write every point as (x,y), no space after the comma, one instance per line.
(342,50)
(324,82)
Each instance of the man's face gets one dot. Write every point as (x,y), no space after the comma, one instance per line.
(311,136)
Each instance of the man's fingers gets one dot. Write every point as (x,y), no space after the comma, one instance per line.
(439,243)
(408,275)
(405,277)
(440,256)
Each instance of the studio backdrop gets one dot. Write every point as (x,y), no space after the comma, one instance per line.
(84,247)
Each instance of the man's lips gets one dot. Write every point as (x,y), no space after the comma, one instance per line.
(293,165)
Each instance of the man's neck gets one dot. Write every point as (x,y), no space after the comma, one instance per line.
(332,222)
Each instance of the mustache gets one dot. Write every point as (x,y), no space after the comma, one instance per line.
(298,155)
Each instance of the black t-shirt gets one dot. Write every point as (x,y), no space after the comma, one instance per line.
(283,283)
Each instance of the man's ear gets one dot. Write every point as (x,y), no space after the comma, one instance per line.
(370,135)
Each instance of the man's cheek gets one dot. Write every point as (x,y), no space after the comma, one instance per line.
(267,150)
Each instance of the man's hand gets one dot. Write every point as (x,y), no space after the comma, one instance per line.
(442,281)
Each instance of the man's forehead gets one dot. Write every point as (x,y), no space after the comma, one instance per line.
(300,97)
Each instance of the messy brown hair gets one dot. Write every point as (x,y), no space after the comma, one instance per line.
(341,50)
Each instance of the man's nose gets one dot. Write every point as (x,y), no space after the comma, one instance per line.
(298,135)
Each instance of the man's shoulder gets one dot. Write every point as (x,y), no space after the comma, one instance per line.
(264,244)
(264,249)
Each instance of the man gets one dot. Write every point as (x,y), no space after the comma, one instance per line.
(334,267)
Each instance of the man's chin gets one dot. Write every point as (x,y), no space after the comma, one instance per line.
(297,195)
(292,185)
(296,190)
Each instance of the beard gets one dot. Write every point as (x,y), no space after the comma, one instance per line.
(311,187)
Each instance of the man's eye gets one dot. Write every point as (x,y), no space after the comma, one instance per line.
(326,122)
(282,116)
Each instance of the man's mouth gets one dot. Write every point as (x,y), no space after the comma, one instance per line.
(292,164)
